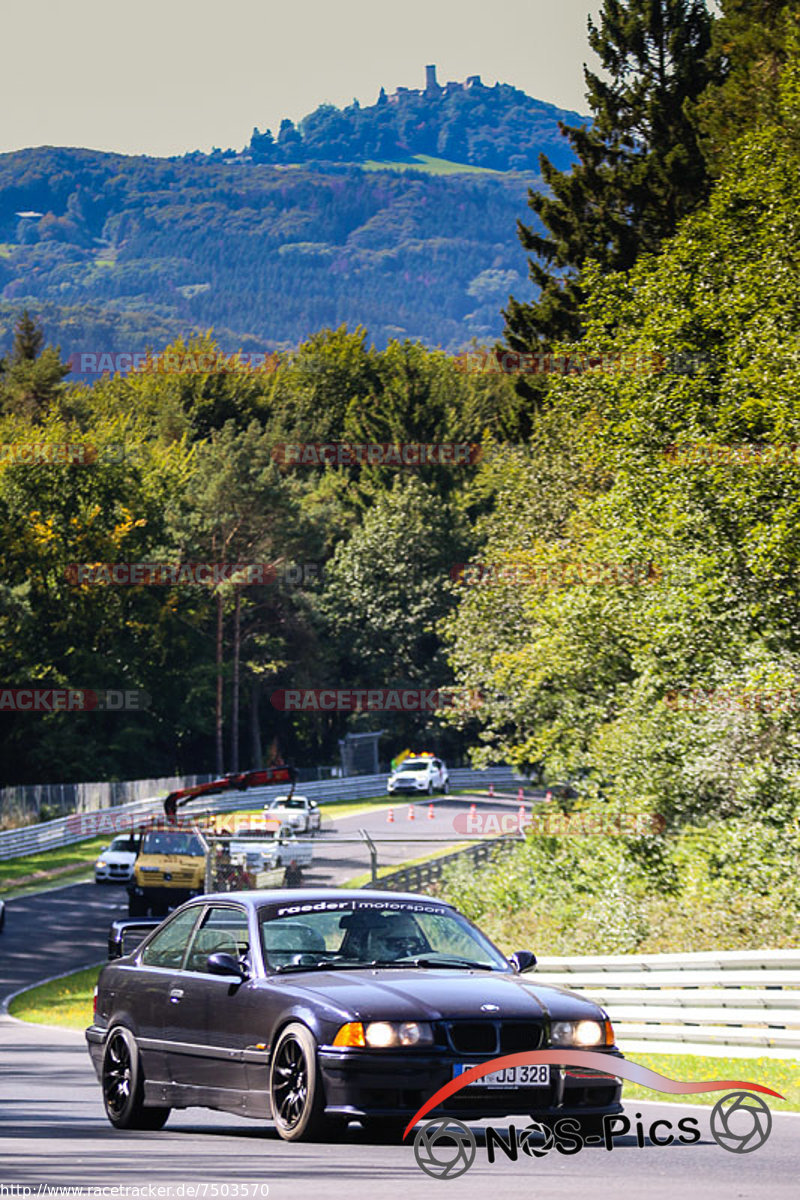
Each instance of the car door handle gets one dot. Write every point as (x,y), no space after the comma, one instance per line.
(175,995)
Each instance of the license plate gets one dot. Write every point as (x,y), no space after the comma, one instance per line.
(535,1075)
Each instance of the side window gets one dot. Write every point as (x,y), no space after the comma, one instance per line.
(223,930)
(168,946)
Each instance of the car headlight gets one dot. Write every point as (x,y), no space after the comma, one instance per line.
(101,862)
(581,1033)
(385,1035)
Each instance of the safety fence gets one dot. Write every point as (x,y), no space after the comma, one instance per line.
(65,831)
(737,1003)
(417,877)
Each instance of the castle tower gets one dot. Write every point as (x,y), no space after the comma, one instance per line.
(430,79)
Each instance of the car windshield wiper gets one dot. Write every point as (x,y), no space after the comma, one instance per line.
(322,964)
(435,960)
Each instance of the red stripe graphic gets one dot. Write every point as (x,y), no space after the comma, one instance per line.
(598,1061)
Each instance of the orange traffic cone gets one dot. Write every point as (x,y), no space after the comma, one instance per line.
(473,808)
(390,816)
(520,795)
(491,791)
(430,812)
(521,815)
(411,812)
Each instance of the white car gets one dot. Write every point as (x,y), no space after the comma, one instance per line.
(115,864)
(297,812)
(424,773)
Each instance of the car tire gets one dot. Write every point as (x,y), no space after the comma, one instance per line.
(430,787)
(295,1087)
(445,789)
(122,1081)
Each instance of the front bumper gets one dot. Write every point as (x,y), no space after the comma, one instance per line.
(376,1085)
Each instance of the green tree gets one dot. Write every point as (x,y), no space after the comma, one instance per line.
(32,378)
(639,167)
(750,44)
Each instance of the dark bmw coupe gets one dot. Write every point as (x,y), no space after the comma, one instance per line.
(323,1006)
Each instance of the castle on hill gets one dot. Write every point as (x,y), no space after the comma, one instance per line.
(432,88)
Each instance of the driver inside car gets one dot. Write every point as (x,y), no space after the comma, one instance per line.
(397,935)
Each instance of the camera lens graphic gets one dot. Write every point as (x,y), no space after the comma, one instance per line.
(740,1122)
(534,1148)
(445,1148)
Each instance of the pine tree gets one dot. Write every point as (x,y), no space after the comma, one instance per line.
(32,377)
(639,167)
(28,339)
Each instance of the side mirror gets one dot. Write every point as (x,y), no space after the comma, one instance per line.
(225,964)
(522,960)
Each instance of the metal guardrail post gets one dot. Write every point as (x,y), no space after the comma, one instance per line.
(373,855)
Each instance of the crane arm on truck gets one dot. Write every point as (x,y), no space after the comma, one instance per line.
(239,782)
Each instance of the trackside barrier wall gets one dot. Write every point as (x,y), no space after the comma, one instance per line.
(733,1003)
(65,831)
(416,878)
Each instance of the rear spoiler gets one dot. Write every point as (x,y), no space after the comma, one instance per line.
(125,935)
(240,782)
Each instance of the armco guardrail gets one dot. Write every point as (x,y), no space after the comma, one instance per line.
(735,1003)
(418,876)
(65,831)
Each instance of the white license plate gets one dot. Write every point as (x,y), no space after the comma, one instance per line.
(535,1075)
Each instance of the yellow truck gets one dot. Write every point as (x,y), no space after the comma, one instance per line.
(169,868)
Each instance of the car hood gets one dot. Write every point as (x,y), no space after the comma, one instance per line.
(123,857)
(430,994)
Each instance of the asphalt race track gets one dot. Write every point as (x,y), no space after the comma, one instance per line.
(54,1133)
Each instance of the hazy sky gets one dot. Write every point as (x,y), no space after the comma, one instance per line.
(166,76)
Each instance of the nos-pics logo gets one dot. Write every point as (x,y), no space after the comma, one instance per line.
(445,1148)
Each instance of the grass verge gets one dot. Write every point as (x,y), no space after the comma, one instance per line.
(782,1075)
(66,1002)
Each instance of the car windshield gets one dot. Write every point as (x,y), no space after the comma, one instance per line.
(122,843)
(349,934)
(172,843)
(414,765)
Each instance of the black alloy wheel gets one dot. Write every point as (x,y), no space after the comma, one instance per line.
(123,1085)
(298,1103)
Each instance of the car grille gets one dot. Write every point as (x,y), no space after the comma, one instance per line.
(175,876)
(493,1037)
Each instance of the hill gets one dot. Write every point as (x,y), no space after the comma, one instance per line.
(500,128)
(121,252)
